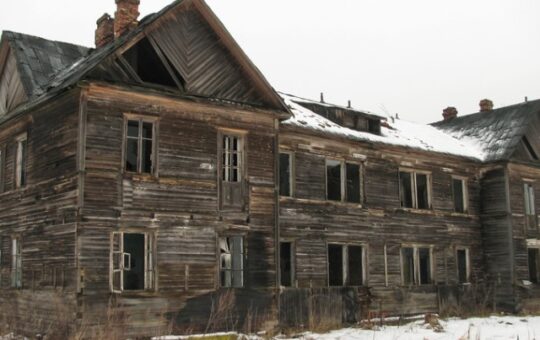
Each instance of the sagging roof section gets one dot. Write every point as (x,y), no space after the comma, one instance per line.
(496,133)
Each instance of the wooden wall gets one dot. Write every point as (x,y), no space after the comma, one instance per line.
(312,222)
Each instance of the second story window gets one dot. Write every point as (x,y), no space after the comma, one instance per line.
(231,170)
(286,174)
(343,181)
(415,190)
(530,209)
(459,190)
(232,158)
(140,155)
(20,161)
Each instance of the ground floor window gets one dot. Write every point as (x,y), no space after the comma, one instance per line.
(346,265)
(16,263)
(416,265)
(463,265)
(231,261)
(286,254)
(534,263)
(132,261)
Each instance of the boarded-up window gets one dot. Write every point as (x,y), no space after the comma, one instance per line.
(20,161)
(414,190)
(285,174)
(139,153)
(286,264)
(333,180)
(530,208)
(463,265)
(132,262)
(16,263)
(459,189)
(231,261)
(346,265)
(534,263)
(416,265)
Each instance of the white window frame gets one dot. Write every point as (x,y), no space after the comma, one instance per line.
(414,187)
(345,263)
(154,156)
(16,262)
(343,179)
(150,282)
(465,193)
(529,204)
(292,176)
(416,263)
(21,161)
(231,270)
(467,263)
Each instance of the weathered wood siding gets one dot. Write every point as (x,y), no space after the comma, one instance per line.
(180,205)
(42,214)
(312,222)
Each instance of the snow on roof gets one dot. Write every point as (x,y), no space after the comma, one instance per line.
(397,132)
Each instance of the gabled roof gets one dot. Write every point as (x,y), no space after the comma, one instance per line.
(496,133)
(40,60)
(395,132)
(49,66)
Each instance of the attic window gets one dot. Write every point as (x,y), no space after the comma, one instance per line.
(152,66)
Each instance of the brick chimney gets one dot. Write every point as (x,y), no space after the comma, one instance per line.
(449,113)
(105,30)
(486,105)
(125,18)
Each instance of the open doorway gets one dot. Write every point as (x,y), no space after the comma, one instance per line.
(132,262)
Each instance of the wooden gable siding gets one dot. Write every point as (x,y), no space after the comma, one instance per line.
(497,233)
(312,222)
(180,204)
(196,52)
(12,91)
(42,214)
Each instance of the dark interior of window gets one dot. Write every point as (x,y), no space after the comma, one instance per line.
(146,164)
(286,263)
(355,265)
(422,191)
(408,265)
(462,265)
(134,275)
(133,143)
(405,189)
(231,159)
(24,151)
(353,183)
(285,174)
(425,265)
(335,265)
(534,254)
(459,204)
(144,60)
(374,126)
(333,180)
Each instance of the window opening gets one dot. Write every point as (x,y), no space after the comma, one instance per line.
(139,146)
(458,188)
(416,265)
(414,190)
(353,183)
(132,257)
(231,261)
(463,265)
(20,171)
(16,263)
(530,209)
(285,174)
(333,180)
(534,257)
(286,264)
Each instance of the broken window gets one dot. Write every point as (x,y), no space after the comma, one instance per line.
(343,181)
(286,264)
(231,261)
(414,189)
(132,256)
(459,189)
(285,174)
(16,263)
(463,265)
(140,155)
(232,171)
(530,208)
(20,162)
(416,265)
(346,265)
(534,265)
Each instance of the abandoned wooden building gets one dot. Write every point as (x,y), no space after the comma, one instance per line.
(160,176)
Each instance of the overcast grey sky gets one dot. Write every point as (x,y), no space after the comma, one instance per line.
(410,57)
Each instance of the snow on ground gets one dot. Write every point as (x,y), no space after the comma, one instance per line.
(492,328)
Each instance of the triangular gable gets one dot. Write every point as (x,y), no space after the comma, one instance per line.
(528,149)
(12,92)
(188,50)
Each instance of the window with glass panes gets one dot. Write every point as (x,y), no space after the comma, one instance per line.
(140,146)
